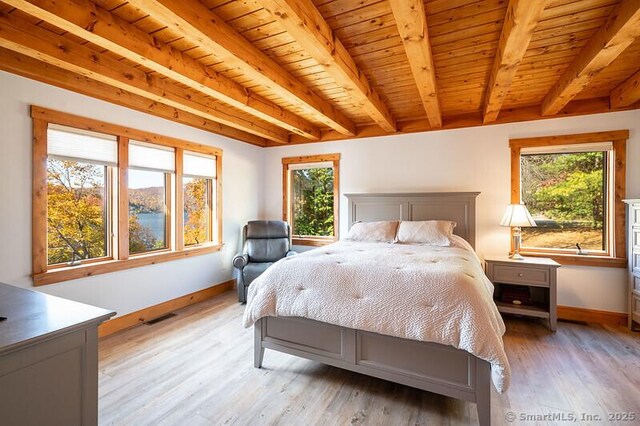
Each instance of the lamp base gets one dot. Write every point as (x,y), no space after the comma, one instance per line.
(517,240)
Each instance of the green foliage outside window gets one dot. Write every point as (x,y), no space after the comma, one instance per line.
(312,203)
(566,195)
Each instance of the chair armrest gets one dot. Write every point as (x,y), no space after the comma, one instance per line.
(290,253)
(241,260)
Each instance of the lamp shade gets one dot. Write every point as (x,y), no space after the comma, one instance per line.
(517,215)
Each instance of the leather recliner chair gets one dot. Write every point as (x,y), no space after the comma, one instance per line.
(264,243)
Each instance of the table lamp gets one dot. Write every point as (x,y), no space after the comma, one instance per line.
(516,217)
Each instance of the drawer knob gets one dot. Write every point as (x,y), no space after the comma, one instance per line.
(520,274)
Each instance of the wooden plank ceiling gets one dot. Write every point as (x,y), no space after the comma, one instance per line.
(273,72)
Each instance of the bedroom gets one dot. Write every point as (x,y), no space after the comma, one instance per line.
(571,69)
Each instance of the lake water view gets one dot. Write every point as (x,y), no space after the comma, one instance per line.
(155,222)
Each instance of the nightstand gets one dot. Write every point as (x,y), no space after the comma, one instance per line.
(534,278)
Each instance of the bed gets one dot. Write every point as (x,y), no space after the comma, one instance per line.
(434,367)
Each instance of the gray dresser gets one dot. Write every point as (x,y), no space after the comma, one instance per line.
(48,359)
(633,252)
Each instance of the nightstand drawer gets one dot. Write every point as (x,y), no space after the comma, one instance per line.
(636,283)
(521,275)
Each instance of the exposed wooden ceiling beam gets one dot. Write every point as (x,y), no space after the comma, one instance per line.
(302,20)
(34,69)
(508,115)
(204,28)
(618,32)
(626,93)
(39,43)
(86,20)
(411,19)
(519,24)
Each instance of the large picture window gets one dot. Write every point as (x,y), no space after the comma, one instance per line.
(107,200)
(573,187)
(311,188)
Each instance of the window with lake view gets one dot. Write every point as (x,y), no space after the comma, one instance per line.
(107,198)
(147,211)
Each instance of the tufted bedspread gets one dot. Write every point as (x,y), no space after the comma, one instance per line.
(431,294)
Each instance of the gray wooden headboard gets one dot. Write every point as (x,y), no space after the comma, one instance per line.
(457,206)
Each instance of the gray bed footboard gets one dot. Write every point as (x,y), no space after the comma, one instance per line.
(429,366)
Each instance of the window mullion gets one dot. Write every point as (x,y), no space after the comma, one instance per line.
(39,219)
(179,202)
(123,198)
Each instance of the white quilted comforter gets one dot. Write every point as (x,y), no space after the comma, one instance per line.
(431,294)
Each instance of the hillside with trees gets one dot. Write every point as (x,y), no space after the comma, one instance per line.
(565,193)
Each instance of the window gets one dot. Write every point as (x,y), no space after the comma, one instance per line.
(79,190)
(151,169)
(311,188)
(573,187)
(107,200)
(197,183)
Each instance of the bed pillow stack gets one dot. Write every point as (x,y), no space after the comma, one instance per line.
(427,232)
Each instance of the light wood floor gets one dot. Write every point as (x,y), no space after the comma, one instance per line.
(197,369)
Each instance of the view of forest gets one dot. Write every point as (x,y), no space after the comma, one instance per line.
(312,202)
(76,213)
(565,194)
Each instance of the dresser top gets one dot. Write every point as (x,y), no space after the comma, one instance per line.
(542,261)
(32,315)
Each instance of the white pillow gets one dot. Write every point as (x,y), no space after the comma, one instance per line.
(428,232)
(373,232)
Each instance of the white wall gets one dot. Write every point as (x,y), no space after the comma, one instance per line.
(473,159)
(133,289)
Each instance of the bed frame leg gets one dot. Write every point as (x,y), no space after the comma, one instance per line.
(483,392)
(258,350)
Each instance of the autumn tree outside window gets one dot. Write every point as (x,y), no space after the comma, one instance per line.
(199,197)
(105,197)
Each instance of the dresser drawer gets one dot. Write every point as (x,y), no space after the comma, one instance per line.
(521,275)
(635,261)
(636,283)
(635,308)
(635,215)
(635,237)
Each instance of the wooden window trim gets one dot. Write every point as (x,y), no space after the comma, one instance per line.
(287,195)
(90,269)
(616,257)
(120,259)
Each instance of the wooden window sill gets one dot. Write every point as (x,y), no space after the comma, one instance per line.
(315,242)
(581,260)
(96,268)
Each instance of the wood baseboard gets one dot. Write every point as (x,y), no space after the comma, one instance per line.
(591,315)
(138,317)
